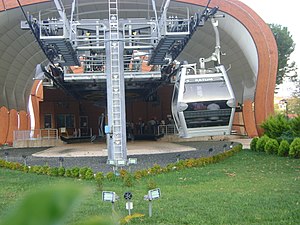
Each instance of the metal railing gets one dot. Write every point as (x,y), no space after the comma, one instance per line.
(174,25)
(37,134)
(169,129)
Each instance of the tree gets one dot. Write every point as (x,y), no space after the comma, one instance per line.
(296,93)
(286,46)
(294,105)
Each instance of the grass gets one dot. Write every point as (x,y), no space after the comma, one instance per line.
(248,188)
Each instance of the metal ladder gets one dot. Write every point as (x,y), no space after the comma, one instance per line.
(116,97)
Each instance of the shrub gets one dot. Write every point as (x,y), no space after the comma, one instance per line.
(111,176)
(44,169)
(253,144)
(82,172)
(284,148)
(138,174)
(123,173)
(99,180)
(53,171)
(40,171)
(271,146)
(287,135)
(8,165)
(25,169)
(68,173)
(156,169)
(89,174)
(295,148)
(16,166)
(295,126)
(61,171)
(75,172)
(261,142)
(34,169)
(2,163)
(275,126)
(128,180)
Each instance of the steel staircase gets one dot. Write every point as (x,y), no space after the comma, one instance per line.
(65,49)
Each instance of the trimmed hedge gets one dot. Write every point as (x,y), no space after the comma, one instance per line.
(261,142)
(272,146)
(295,126)
(253,144)
(284,148)
(295,148)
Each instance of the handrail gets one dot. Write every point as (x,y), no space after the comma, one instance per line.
(37,134)
(168,129)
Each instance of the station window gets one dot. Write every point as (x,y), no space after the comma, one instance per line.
(65,120)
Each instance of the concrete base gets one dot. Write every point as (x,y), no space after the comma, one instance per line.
(100,149)
(37,143)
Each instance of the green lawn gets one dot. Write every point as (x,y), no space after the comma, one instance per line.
(248,188)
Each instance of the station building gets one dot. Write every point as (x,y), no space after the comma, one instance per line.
(249,53)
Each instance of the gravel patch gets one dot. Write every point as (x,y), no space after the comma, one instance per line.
(98,163)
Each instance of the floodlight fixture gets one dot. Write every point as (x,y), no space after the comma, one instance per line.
(154,194)
(111,162)
(132,161)
(109,196)
(120,162)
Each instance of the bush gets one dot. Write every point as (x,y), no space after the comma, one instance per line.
(44,170)
(156,169)
(68,173)
(261,142)
(271,146)
(275,126)
(40,171)
(82,172)
(287,135)
(284,148)
(123,173)
(2,163)
(99,180)
(128,180)
(111,176)
(295,126)
(25,169)
(89,174)
(253,144)
(16,166)
(138,174)
(295,148)
(75,172)
(61,171)
(34,169)
(53,171)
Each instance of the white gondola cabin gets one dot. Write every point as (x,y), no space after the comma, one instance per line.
(203,102)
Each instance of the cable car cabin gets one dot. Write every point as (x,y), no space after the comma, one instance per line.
(203,103)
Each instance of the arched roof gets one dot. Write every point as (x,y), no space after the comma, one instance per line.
(250,48)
